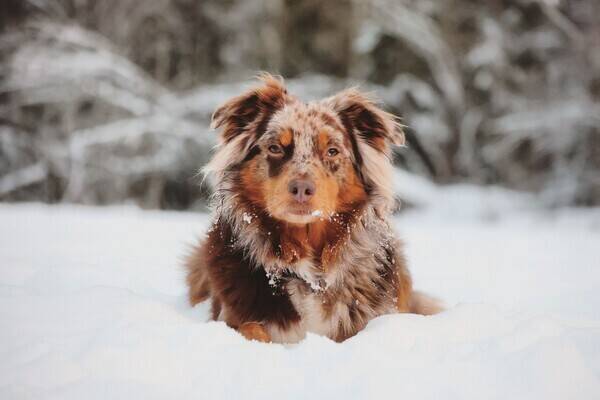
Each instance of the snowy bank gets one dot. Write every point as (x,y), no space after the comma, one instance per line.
(93,306)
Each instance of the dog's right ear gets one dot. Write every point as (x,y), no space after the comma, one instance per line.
(243,120)
(250,112)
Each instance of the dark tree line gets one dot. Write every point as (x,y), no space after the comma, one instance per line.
(105,101)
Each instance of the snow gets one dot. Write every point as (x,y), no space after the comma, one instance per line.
(247,218)
(93,306)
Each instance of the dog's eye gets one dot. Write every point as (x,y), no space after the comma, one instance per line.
(332,152)
(275,149)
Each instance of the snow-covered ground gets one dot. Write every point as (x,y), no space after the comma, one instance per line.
(92,305)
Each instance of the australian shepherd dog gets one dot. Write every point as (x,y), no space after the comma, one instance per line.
(300,240)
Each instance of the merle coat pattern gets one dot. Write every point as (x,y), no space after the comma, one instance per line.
(277,264)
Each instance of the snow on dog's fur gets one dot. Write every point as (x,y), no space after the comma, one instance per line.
(300,241)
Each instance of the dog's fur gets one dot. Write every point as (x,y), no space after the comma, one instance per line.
(277,267)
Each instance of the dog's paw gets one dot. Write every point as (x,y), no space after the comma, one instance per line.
(254,331)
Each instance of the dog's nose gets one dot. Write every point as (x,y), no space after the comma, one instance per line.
(301,189)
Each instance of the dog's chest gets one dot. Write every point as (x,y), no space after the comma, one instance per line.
(312,307)
(336,305)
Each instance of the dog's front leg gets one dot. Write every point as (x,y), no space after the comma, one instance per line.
(250,300)
(254,331)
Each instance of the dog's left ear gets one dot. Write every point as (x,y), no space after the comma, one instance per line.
(361,116)
(372,130)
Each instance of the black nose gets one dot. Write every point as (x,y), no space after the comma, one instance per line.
(301,189)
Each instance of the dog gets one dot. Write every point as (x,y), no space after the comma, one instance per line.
(300,240)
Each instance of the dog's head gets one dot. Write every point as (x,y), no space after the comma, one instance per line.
(301,162)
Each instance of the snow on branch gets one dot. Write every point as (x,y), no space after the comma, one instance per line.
(22,177)
(422,35)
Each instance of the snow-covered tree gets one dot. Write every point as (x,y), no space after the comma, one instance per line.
(101,102)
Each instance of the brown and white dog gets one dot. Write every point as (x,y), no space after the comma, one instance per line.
(300,241)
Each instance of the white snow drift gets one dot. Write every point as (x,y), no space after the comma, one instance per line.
(92,306)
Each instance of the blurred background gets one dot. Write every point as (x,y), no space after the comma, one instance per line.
(105,102)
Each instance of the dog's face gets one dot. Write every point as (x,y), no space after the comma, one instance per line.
(304,167)
(302,162)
